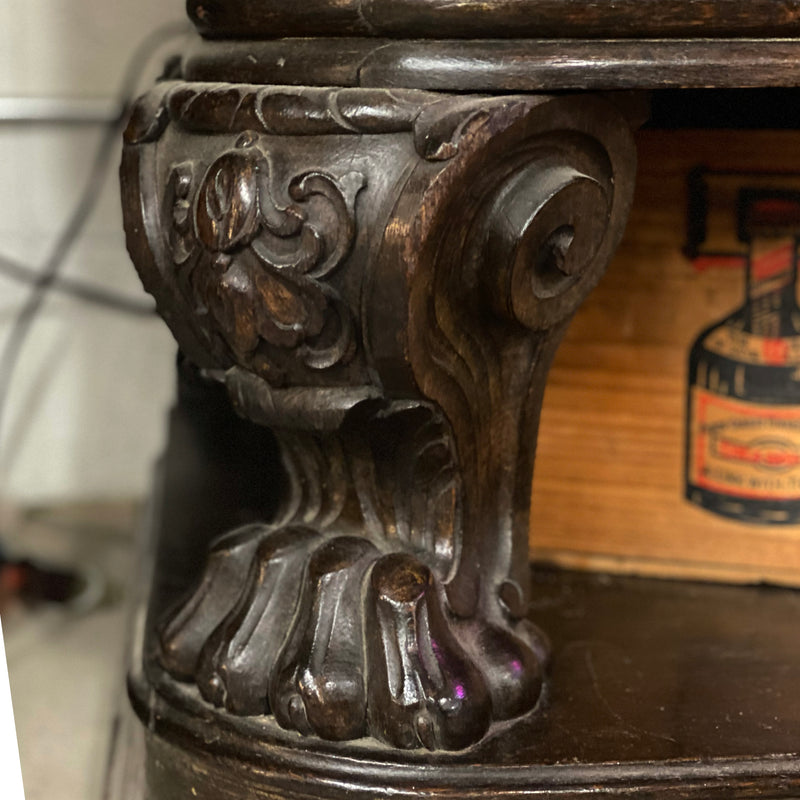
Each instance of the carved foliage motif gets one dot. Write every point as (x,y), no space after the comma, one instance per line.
(253,264)
(436,122)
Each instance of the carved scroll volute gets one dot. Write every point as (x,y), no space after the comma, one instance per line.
(540,233)
(501,244)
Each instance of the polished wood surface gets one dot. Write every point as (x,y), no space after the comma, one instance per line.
(659,690)
(495,65)
(315,251)
(501,18)
(374,242)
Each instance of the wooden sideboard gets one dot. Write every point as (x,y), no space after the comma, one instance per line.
(368,224)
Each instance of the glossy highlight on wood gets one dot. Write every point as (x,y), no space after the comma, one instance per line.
(502,65)
(413,19)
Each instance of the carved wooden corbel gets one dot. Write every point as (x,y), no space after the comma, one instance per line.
(381,277)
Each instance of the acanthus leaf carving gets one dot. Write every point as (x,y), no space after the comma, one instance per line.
(253,266)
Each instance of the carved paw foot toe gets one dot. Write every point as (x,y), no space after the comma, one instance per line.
(238,658)
(425,691)
(187,631)
(515,660)
(335,638)
(320,684)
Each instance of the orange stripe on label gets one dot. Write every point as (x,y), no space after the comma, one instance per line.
(773,263)
(763,456)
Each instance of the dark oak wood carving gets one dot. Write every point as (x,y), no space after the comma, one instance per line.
(382,278)
(256,264)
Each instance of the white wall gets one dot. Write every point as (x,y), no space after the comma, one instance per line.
(86,413)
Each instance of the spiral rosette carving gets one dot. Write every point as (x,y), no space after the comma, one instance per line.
(540,232)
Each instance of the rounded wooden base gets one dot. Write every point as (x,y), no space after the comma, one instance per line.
(658,689)
(194,750)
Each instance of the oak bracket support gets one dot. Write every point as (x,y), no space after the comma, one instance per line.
(381,278)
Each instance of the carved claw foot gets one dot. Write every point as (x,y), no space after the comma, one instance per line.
(434,680)
(337,639)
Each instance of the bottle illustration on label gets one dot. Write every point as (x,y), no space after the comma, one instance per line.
(743,404)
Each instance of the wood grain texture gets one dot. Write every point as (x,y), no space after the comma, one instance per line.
(500,18)
(495,65)
(608,490)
